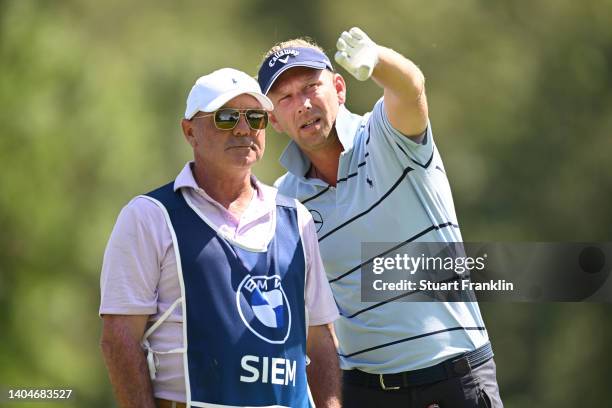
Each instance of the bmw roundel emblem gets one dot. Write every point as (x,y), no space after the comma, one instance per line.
(263,307)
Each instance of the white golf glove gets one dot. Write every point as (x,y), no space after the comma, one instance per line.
(357,53)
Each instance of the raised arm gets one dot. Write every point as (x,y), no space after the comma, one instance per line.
(402,81)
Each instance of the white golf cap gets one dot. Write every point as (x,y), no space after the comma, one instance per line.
(214,90)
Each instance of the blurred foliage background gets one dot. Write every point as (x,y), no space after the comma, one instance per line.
(92,92)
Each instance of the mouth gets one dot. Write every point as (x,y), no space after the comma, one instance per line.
(240,147)
(311,123)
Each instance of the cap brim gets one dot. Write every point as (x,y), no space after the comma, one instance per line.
(222,99)
(307,64)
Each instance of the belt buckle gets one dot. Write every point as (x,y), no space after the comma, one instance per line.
(383,386)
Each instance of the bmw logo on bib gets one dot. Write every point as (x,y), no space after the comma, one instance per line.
(264,308)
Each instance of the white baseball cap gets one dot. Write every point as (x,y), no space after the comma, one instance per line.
(214,90)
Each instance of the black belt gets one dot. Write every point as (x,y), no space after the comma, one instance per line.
(453,367)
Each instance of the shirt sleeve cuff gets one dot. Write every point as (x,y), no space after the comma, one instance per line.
(132,310)
(318,321)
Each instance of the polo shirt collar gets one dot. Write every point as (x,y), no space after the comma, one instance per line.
(296,162)
(186,179)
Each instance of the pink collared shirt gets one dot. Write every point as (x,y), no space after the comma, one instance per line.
(139,274)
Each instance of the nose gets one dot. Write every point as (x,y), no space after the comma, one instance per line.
(242,127)
(305,104)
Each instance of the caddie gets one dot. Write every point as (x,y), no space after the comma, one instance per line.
(213,289)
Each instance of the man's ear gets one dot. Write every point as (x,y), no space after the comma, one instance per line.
(340,86)
(274,122)
(187,127)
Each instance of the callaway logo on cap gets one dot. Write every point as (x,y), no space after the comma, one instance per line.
(286,58)
(278,56)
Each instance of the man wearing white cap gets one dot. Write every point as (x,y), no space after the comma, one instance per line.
(213,290)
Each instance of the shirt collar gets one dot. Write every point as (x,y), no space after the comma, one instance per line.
(296,162)
(186,179)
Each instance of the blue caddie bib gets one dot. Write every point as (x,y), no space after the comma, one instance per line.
(243,311)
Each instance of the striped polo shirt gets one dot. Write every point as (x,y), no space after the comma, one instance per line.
(389,190)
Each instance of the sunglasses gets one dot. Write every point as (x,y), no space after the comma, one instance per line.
(228,118)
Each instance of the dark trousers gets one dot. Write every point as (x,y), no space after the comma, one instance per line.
(476,389)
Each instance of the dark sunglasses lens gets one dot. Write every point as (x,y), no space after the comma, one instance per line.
(227,118)
(258,119)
